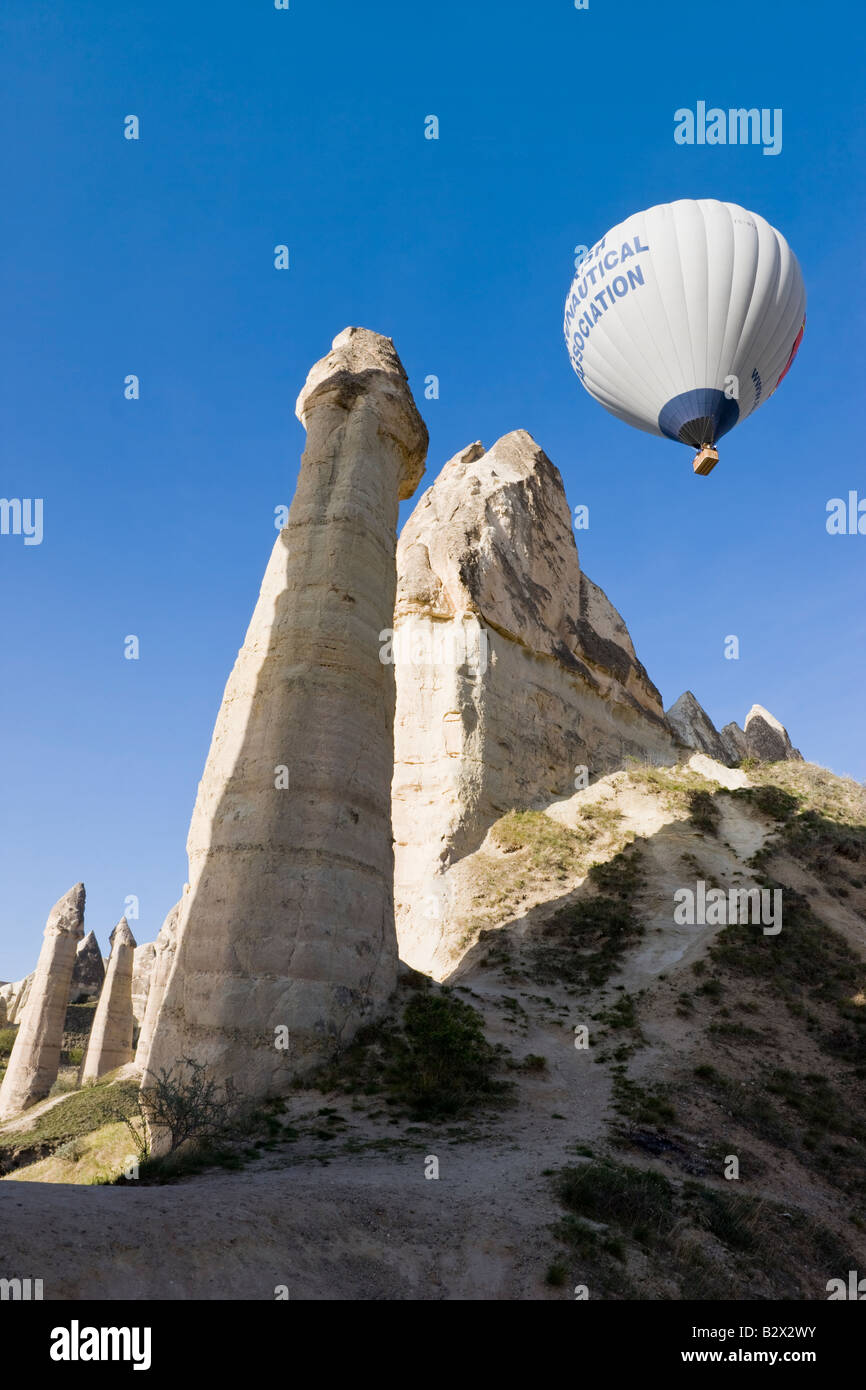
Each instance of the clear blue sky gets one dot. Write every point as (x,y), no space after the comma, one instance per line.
(306,127)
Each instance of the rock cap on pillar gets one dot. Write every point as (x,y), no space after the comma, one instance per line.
(358,359)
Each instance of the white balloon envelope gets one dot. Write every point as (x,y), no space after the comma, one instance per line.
(684,318)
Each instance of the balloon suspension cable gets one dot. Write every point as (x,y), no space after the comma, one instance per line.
(705,460)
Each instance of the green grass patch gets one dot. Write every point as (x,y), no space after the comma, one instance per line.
(703,1242)
(547,846)
(769,800)
(704,814)
(582,942)
(644,1105)
(82,1113)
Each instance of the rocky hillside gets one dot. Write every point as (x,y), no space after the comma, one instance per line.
(584,1082)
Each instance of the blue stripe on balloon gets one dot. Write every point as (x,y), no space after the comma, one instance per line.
(704,403)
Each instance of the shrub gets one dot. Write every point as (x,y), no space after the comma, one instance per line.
(442,1063)
(770,800)
(191,1109)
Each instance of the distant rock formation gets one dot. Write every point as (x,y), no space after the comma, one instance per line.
(763,738)
(514,671)
(110,1042)
(694,728)
(89,972)
(288,927)
(163,960)
(15,996)
(35,1058)
(767,739)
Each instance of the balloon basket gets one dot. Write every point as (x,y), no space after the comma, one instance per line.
(705,460)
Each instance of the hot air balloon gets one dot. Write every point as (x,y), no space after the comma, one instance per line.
(683,319)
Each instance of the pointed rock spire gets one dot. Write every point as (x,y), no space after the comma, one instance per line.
(695,729)
(767,739)
(35,1058)
(110,1042)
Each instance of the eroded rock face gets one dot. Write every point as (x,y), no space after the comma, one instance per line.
(142,974)
(513,672)
(110,1042)
(89,972)
(288,923)
(767,739)
(694,728)
(163,958)
(35,1057)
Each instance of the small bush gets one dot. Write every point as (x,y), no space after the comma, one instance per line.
(556,1275)
(436,1060)
(190,1109)
(442,1064)
(534,1062)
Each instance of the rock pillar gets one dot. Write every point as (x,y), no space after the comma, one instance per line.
(35,1057)
(286,942)
(110,1043)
